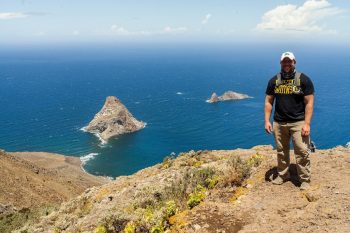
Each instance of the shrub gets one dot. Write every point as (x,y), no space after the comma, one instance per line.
(168,161)
(170,208)
(157,229)
(180,188)
(101,229)
(241,168)
(114,223)
(204,173)
(237,171)
(130,228)
(255,160)
(149,213)
(196,197)
(210,182)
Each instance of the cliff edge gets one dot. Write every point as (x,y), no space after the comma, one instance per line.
(213,191)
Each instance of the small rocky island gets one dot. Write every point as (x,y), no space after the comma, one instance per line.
(228,95)
(113,119)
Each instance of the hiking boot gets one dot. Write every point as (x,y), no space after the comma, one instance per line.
(304,185)
(279,180)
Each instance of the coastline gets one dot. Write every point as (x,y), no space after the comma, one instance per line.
(44,159)
(32,179)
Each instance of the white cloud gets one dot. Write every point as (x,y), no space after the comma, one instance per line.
(206,18)
(119,30)
(175,30)
(12,15)
(307,17)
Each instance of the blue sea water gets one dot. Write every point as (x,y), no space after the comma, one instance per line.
(48,94)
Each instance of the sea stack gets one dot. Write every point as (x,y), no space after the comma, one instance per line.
(228,95)
(214,98)
(113,119)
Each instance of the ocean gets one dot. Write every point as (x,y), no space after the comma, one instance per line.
(47,94)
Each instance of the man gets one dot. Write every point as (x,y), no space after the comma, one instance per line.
(293,95)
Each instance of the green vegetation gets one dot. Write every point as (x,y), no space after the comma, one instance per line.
(86,206)
(170,208)
(187,190)
(211,182)
(155,210)
(168,161)
(157,229)
(255,160)
(196,197)
(17,219)
(239,171)
(101,229)
(130,227)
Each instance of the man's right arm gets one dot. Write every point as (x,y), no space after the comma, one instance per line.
(268,109)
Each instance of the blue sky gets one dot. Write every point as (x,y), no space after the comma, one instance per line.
(55,21)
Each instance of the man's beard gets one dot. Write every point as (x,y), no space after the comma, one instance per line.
(289,74)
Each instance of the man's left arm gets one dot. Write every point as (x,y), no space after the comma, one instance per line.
(309,107)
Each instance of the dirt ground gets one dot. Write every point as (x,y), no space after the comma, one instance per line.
(261,206)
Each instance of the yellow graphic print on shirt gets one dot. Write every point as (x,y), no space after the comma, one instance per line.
(287,87)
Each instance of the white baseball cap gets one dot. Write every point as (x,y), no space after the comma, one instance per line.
(290,55)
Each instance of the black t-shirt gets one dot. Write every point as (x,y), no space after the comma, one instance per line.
(289,105)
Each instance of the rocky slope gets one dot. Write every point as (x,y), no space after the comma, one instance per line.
(38,181)
(113,119)
(228,95)
(213,191)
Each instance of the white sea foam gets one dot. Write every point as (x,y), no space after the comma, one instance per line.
(103,142)
(347,145)
(179,93)
(83,129)
(85,158)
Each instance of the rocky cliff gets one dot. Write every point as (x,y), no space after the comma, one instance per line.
(228,95)
(213,191)
(113,119)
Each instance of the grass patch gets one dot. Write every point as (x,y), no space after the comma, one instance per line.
(18,219)
(196,197)
(130,227)
(101,229)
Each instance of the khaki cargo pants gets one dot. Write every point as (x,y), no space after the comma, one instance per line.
(283,131)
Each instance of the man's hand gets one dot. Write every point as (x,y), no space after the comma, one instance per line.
(309,107)
(305,131)
(268,127)
(268,108)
